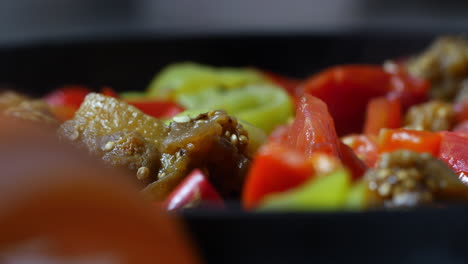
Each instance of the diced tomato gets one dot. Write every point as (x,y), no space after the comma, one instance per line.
(381,113)
(461,110)
(347,90)
(157,109)
(289,84)
(419,141)
(352,162)
(193,191)
(70,95)
(107,91)
(454,152)
(313,128)
(463,126)
(364,146)
(276,168)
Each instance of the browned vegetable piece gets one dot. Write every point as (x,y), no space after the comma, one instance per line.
(405,179)
(444,64)
(158,154)
(119,133)
(431,116)
(214,141)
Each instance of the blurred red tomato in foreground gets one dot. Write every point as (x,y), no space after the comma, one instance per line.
(59,206)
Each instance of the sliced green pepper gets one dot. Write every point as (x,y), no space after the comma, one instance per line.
(265,106)
(328,192)
(188,77)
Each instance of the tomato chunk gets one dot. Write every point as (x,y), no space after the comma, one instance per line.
(454,152)
(381,113)
(276,168)
(313,129)
(419,141)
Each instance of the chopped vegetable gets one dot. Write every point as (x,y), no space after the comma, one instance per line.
(70,96)
(328,192)
(431,116)
(313,129)
(352,162)
(157,108)
(405,178)
(382,113)
(276,168)
(194,191)
(454,152)
(346,90)
(419,141)
(188,77)
(364,146)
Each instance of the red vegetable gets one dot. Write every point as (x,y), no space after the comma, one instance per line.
(381,113)
(71,96)
(195,189)
(454,152)
(410,90)
(364,146)
(313,128)
(107,91)
(276,168)
(419,141)
(157,109)
(347,90)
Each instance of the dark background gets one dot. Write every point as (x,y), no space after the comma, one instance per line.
(39,20)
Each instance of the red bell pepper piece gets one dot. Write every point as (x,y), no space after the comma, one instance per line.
(71,96)
(419,141)
(313,128)
(107,91)
(157,108)
(193,192)
(364,146)
(381,113)
(454,152)
(347,90)
(276,168)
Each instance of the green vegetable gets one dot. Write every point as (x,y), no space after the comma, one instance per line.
(188,77)
(328,192)
(357,197)
(265,106)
